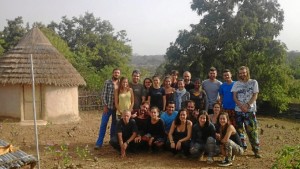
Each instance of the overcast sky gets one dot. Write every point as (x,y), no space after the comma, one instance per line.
(150,24)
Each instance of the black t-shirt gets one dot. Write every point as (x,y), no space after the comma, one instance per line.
(141,125)
(157,97)
(126,129)
(189,86)
(156,130)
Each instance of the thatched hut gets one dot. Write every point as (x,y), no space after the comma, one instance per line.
(56,82)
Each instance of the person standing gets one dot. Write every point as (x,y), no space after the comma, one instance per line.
(138,90)
(107,97)
(124,97)
(211,87)
(226,96)
(169,90)
(147,83)
(157,94)
(188,84)
(245,92)
(198,95)
(174,76)
(181,96)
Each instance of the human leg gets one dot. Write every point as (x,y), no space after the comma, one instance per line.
(113,123)
(102,130)
(231,149)
(210,146)
(240,120)
(252,132)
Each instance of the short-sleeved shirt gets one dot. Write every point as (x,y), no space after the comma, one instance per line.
(157,97)
(126,129)
(212,91)
(189,86)
(225,91)
(245,91)
(156,130)
(168,119)
(138,91)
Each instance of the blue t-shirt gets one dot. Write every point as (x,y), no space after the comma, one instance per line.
(168,119)
(225,92)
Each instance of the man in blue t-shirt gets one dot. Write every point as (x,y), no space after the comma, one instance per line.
(226,96)
(169,116)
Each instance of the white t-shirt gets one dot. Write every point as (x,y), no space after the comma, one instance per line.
(244,91)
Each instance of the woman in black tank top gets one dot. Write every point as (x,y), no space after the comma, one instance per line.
(231,144)
(180,133)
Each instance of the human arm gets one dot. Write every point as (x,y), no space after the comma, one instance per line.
(230,130)
(164,103)
(122,145)
(170,134)
(205,101)
(188,136)
(132,99)
(116,98)
(104,98)
(243,107)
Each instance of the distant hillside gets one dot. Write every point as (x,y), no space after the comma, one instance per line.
(147,62)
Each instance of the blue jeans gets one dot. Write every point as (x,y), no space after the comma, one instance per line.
(103,126)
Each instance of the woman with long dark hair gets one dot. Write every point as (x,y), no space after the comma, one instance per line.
(231,144)
(203,137)
(180,133)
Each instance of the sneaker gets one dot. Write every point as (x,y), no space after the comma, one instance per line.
(232,157)
(210,160)
(225,163)
(257,155)
(201,157)
(97,147)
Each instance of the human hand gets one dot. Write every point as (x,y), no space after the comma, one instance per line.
(150,141)
(172,145)
(105,109)
(178,145)
(138,139)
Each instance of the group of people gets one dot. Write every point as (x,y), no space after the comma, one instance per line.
(189,118)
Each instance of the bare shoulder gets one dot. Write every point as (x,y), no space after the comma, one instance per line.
(189,123)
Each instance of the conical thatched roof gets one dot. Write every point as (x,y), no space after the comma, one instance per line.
(50,67)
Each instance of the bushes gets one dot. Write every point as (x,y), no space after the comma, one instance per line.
(288,157)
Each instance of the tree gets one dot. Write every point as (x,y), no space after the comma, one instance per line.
(293,60)
(11,34)
(89,43)
(94,38)
(233,33)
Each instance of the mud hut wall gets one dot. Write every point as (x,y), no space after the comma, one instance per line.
(61,104)
(11,99)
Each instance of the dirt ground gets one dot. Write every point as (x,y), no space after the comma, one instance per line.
(71,146)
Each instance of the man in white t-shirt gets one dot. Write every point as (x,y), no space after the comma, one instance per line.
(245,93)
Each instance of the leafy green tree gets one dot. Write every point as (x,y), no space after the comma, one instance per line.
(235,33)
(12,33)
(293,61)
(96,46)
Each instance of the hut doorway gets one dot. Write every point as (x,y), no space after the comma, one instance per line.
(28,103)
